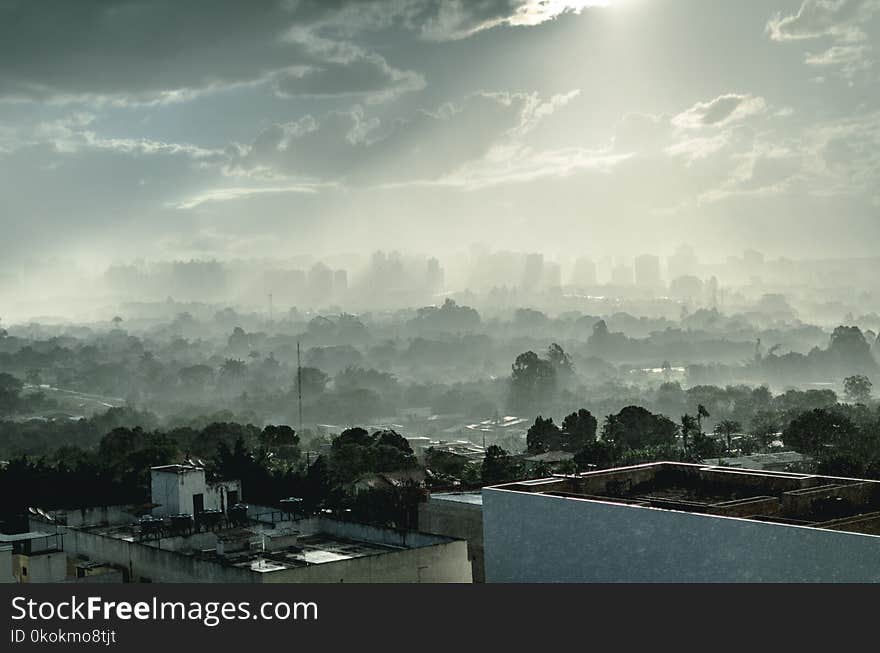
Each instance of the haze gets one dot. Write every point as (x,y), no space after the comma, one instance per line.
(156,131)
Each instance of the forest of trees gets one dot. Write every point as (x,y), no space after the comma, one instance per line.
(92,408)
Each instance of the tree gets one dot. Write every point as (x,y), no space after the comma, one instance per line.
(596,454)
(543,436)
(764,426)
(498,466)
(281,441)
(849,348)
(196,376)
(814,432)
(532,381)
(355,453)
(10,390)
(635,427)
(857,389)
(579,430)
(560,361)
(314,382)
(446,463)
(233,368)
(701,413)
(727,428)
(689,427)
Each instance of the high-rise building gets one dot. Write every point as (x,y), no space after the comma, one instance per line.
(622,275)
(647,269)
(584,274)
(683,262)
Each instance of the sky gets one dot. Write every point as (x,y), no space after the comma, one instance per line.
(166,129)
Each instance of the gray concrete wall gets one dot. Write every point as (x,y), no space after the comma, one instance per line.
(446,562)
(460,520)
(159,565)
(437,559)
(111,515)
(536,538)
(6,575)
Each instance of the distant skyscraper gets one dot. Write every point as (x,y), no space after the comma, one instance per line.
(434,277)
(622,275)
(584,274)
(340,282)
(533,272)
(552,276)
(683,262)
(647,268)
(320,282)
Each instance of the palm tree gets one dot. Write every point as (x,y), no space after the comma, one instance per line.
(727,428)
(701,413)
(689,424)
(233,368)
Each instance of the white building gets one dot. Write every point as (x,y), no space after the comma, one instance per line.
(34,557)
(675,522)
(182,489)
(308,550)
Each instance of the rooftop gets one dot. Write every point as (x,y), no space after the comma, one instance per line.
(313,549)
(5,538)
(826,502)
(283,545)
(473,498)
(176,469)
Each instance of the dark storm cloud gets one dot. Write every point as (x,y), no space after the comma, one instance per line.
(146,51)
(131,51)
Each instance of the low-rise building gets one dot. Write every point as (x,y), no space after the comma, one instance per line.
(183,489)
(677,522)
(35,556)
(287,550)
(459,515)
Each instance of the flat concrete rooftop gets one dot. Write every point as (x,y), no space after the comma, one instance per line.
(473,498)
(825,502)
(285,545)
(309,550)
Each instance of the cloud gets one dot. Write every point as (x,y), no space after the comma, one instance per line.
(148,52)
(236,193)
(851,59)
(448,20)
(158,51)
(719,112)
(840,19)
(348,146)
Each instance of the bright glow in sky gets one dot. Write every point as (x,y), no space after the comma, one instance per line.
(262,129)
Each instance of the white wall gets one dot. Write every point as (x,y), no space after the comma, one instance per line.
(42,568)
(538,538)
(174,491)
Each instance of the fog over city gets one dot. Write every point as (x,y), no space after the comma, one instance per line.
(301,242)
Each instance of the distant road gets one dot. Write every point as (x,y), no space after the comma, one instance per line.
(102,400)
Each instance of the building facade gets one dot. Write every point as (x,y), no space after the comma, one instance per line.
(183,489)
(671,522)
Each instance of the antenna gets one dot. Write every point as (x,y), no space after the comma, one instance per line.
(299,385)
